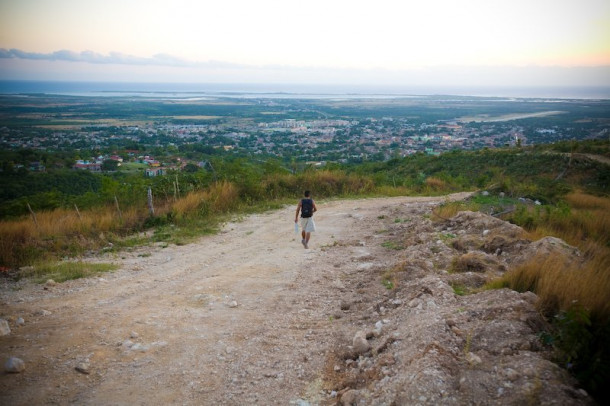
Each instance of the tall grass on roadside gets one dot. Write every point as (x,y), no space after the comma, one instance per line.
(580,219)
(561,282)
(576,300)
(62,232)
(220,197)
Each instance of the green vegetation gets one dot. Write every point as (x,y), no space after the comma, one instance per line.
(573,292)
(459,289)
(392,245)
(231,161)
(64,271)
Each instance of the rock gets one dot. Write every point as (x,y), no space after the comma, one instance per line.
(485,232)
(473,359)
(83,368)
(50,282)
(414,302)
(134,335)
(350,398)
(360,343)
(548,247)
(43,312)
(233,304)
(4,328)
(20,321)
(345,305)
(511,374)
(14,365)
(529,297)
(139,347)
(476,262)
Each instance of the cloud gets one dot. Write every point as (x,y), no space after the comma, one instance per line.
(16,64)
(115,58)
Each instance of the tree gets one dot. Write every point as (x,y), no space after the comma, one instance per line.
(110,165)
(191,168)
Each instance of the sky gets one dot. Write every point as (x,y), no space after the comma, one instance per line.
(442,42)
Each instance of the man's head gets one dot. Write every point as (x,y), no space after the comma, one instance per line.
(307,193)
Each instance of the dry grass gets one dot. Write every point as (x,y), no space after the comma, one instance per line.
(585,225)
(61,231)
(435,185)
(450,209)
(580,200)
(561,282)
(66,232)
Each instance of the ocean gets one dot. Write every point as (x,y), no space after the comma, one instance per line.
(261,90)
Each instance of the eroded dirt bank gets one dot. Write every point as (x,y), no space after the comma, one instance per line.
(250,317)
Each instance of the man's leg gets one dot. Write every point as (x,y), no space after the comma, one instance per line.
(307,236)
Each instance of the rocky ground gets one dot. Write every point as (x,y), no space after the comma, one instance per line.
(369,315)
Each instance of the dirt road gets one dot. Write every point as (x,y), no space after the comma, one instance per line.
(240,317)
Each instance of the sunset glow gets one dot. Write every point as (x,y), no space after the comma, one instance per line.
(353,35)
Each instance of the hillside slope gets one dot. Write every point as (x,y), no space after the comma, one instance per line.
(250,317)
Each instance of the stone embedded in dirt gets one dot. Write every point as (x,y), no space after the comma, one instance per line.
(350,398)
(139,347)
(83,368)
(4,328)
(42,312)
(378,326)
(360,343)
(14,365)
(20,321)
(473,359)
(233,304)
(134,335)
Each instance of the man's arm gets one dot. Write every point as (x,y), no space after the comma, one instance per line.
(315,208)
(296,216)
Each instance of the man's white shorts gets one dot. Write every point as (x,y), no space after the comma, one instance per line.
(308,225)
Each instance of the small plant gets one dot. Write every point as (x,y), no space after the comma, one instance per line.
(381,217)
(392,245)
(447,237)
(388,284)
(459,289)
(468,342)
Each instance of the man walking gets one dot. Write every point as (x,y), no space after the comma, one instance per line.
(307,207)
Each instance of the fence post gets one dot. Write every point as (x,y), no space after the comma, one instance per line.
(78,212)
(151,209)
(116,201)
(33,215)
